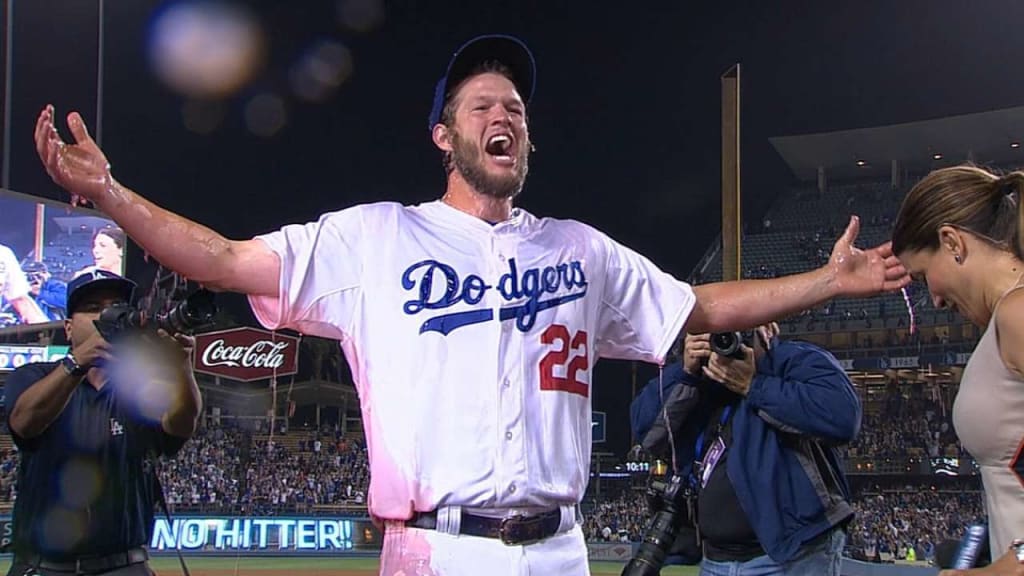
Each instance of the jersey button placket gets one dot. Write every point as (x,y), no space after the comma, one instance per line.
(512,451)
(502,478)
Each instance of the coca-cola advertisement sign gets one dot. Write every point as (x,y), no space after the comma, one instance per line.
(246,354)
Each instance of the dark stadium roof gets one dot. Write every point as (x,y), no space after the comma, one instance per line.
(986,137)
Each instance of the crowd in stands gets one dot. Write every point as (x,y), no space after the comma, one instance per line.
(266,474)
(323,470)
(618,519)
(907,424)
(888,522)
(206,470)
(908,523)
(224,467)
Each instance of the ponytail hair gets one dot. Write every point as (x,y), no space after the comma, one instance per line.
(1011,191)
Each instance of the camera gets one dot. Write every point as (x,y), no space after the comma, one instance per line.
(730,343)
(194,311)
(674,502)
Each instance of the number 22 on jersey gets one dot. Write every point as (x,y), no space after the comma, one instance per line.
(570,356)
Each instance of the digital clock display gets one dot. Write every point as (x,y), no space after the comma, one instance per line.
(639,467)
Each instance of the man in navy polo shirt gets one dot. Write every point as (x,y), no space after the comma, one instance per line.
(88,428)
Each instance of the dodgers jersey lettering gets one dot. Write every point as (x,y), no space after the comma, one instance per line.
(471,345)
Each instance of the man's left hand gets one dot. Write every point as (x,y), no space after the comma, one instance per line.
(859,273)
(179,347)
(736,374)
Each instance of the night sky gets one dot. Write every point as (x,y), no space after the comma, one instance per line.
(625,116)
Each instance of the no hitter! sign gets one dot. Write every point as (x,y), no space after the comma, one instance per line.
(246,354)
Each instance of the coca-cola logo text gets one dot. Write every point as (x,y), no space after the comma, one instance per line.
(262,354)
(246,354)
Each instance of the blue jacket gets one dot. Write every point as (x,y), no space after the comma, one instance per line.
(53,299)
(799,407)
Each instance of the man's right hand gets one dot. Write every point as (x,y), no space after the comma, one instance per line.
(696,351)
(188,248)
(80,168)
(93,352)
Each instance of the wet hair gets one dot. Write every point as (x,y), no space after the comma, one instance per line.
(451,102)
(112,232)
(968,197)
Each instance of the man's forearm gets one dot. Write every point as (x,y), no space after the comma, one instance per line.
(178,243)
(41,403)
(180,420)
(745,304)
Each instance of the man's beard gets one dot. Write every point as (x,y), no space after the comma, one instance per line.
(466,158)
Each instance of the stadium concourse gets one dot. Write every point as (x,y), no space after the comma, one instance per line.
(914,486)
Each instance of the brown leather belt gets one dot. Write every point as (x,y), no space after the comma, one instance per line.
(512,530)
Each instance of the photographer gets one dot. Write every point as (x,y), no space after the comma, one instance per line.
(756,441)
(89,428)
(50,294)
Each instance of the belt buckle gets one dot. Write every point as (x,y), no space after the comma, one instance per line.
(521,530)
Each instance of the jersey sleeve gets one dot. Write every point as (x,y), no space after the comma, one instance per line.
(12,279)
(643,309)
(321,267)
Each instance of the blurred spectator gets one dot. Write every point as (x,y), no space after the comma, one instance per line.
(49,293)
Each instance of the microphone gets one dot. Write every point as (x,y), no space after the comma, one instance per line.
(974,539)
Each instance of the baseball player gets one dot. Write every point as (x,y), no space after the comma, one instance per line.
(471,326)
(14,289)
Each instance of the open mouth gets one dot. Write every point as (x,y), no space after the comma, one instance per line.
(499,147)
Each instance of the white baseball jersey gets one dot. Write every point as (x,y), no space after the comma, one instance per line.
(13,284)
(472,345)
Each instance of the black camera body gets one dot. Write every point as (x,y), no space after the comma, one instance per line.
(195,311)
(674,503)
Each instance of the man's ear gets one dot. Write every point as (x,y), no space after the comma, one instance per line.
(442,137)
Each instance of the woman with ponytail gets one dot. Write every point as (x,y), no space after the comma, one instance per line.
(960,231)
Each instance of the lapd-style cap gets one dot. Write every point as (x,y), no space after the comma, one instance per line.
(84,283)
(507,50)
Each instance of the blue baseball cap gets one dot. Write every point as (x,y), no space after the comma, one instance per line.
(508,50)
(81,285)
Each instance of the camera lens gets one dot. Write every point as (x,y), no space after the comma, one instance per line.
(727,344)
(193,312)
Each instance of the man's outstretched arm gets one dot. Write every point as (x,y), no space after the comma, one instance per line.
(850,272)
(187,247)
